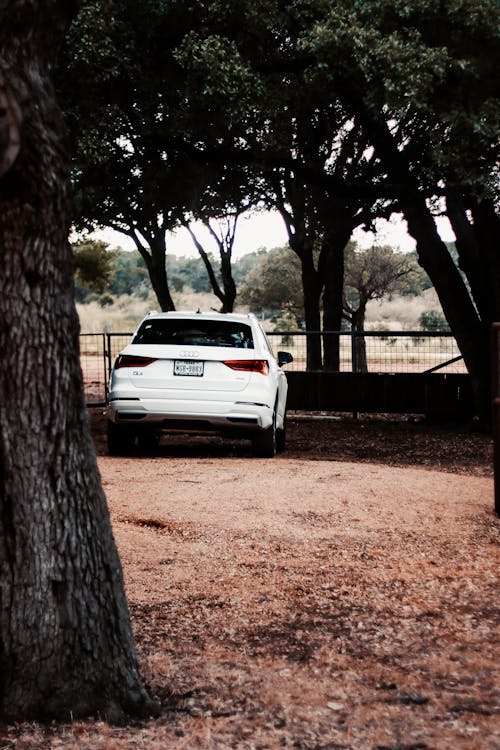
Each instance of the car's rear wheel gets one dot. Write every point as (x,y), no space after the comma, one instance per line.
(120,439)
(148,441)
(264,445)
(281,437)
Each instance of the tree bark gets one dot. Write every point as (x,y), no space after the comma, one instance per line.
(358,321)
(301,229)
(470,258)
(471,336)
(156,263)
(227,295)
(486,225)
(332,270)
(311,285)
(226,271)
(66,646)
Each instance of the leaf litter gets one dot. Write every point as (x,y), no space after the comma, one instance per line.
(352,608)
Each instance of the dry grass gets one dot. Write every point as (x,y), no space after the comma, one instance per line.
(401,313)
(397,313)
(127,311)
(120,317)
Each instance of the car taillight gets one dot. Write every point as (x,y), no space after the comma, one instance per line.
(127,360)
(248,365)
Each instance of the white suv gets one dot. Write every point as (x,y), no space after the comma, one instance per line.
(198,372)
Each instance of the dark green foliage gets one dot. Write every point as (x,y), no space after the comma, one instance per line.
(130,275)
(417,281)
(273,284)
(188,272)
(94,264)
(433,320)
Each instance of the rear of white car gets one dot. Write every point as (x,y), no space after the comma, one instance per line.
(198,372)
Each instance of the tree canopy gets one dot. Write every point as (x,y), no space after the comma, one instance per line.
(332,113)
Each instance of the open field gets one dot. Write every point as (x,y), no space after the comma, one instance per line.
(341,596)
(126,312)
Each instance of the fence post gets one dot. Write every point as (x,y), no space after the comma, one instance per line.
(109,360)
(495,392)
(354,352)
(105,367)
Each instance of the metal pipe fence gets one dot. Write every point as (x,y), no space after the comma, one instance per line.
(386,352)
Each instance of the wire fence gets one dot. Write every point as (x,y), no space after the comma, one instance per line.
(385,351)
(372,351)
(95,367)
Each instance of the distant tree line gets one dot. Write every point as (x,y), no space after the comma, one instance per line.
(102,272)
(268,282)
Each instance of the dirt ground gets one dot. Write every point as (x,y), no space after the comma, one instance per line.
(343,596)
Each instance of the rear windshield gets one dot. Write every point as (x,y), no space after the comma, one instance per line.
(195,333)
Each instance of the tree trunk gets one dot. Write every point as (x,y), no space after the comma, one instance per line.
(157,269)
(228,282)
(487,231)
(301,230)
(470,258)
(312,291)
(332,270)
(66,646)
(472,338)
(358,320)
(227,294)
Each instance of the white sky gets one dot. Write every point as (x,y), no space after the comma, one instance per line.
(267,230)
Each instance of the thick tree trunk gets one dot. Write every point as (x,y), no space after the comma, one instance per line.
(486,225)
(312,292)
(471,336)
(157,269)
(332,269)
(228,283)
(470,258)
(301,230)
(66,647)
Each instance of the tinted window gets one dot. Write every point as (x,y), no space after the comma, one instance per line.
(195,333)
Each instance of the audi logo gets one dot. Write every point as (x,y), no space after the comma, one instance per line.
(191,353)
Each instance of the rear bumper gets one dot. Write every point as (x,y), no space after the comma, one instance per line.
(198,417)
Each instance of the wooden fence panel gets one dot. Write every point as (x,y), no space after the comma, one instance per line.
(437,396)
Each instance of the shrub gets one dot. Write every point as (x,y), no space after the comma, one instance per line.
(433,320)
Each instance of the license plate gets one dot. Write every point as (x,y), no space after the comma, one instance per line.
(188,367)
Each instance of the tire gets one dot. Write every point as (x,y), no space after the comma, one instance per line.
(281,437)
(264,445)
(148,442)
(120,439)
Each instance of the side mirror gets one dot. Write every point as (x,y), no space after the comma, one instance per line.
(284,358)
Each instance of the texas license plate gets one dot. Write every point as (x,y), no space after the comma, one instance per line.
(188,367)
